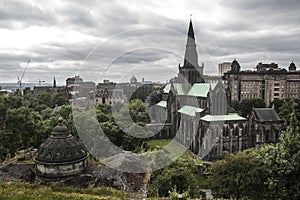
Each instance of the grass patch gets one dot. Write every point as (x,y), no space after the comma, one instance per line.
(153,145)
(24,191)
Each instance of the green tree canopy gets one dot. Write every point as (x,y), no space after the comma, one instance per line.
(282,161)
(239,175)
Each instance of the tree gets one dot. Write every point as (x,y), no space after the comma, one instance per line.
(58,100)
(235,105)
(182,175)
(282,162)
(137,110)
(239,175)
(246,105)
(8,143)
(44,98)
(287,109)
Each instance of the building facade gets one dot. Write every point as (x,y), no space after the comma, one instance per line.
(77,87)
(268,82)
(265,125)
(108,93)
(54,89)
(223,68)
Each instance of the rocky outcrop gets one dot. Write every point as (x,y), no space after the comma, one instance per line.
(16,171)
(23,169)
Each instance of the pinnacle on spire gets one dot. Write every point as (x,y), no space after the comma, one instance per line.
(191,30)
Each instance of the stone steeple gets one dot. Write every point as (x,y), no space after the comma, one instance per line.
(191,56)
(54,82)
(191,69)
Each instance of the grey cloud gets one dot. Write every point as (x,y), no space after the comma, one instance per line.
(24,13)
(249,31)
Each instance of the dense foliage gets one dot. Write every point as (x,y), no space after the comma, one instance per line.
(245,106)
(271,172)
(239,175)
(284,108)
(26,122)
(182,176)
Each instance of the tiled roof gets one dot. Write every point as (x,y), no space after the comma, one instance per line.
(189,110)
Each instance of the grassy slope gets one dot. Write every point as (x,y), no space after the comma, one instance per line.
(157,144)
(24,191)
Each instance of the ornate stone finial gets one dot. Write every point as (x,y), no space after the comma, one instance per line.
(60,120)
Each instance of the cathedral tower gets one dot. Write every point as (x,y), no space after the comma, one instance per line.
(191,70)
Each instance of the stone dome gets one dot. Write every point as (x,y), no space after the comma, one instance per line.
(133,79)
(292,67)
(60,155)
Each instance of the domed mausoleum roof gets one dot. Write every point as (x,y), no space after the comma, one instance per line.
(235,66)
(60,155)
(292,67)
(60,147)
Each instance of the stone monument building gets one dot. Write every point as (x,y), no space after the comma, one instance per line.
(60,155)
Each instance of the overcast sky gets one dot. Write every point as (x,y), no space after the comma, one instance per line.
(117,38)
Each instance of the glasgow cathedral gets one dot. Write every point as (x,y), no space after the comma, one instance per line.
(194,109)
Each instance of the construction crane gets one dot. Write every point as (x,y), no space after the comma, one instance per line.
(37,81)
(20,79)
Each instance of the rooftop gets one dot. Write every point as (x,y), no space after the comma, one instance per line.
(216,118)
(266,114)
(190,110)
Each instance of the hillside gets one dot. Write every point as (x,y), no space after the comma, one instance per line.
(21,191)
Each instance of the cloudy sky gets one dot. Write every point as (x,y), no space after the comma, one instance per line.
(117,38)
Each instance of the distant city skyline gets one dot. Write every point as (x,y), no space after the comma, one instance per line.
(57,36)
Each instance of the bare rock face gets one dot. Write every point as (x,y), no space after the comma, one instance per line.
(108,177)
(83,180)
(18,172)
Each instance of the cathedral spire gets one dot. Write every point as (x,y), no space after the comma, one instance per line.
(54,82)
(191,56)
(191,71)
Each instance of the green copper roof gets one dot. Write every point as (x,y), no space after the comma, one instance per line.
(189,110)
(229,117)
(201,89)
(162,104)
(177,86)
